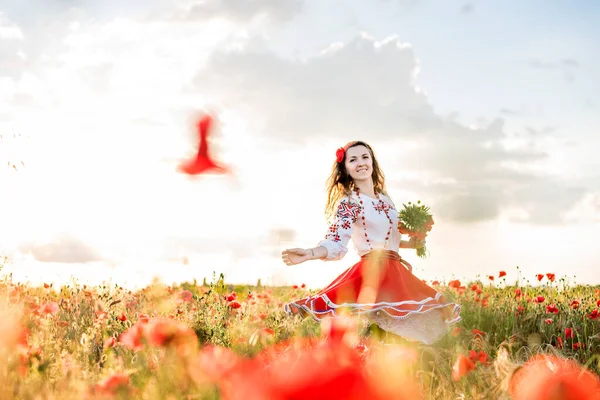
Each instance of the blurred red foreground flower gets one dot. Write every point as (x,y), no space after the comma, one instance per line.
(547,377)
(161,332)
(332,367)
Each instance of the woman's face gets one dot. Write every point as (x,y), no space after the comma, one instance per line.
(359,163)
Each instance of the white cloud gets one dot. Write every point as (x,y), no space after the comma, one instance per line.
(367,89)
(565,65)
(363,88)
(9,30)
(467,8)
(105,90)
(587,210)
(64,249)
(239,11)
(12,57)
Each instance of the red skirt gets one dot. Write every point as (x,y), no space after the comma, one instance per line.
(381,288)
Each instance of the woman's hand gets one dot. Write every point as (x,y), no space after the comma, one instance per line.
(295,256)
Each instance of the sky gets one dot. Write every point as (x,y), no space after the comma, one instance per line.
(485,111)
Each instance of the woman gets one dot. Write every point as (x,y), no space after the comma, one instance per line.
(381,285)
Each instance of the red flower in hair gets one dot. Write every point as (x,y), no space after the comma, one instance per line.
(339,154)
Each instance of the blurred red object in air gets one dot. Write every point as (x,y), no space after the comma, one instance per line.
(202,163)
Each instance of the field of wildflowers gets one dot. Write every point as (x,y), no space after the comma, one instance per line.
(217,341)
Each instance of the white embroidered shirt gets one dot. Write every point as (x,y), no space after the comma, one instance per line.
(347,224)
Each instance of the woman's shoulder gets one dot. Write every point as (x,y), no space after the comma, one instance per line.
(387,198)
(349,199)
(347,207)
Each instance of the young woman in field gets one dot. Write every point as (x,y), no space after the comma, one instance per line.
(381,285)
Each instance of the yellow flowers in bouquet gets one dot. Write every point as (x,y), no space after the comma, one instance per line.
(416,221)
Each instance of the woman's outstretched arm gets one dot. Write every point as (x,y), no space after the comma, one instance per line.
(297,255)
(338,234)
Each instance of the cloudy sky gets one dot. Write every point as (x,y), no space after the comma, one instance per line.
(486,111)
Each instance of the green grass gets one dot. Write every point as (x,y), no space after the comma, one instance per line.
(66,355)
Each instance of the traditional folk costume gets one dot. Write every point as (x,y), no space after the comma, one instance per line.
(380,286)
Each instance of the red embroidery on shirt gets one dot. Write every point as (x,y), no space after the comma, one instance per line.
(348,210)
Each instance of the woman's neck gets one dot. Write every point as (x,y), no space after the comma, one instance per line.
(366,187)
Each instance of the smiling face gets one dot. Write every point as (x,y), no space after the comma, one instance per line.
(359,163)
(359,167)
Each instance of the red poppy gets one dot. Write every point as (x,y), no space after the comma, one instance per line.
(501,274)
(267,331)
(569,333)
(551,377)
(110,342)
(309,369)
(185,296)
(520,310)
(575,304)
(49,308)
(462,367)
(234,304)
(133,337)
(113,384)
(13,333)
(429,224)
(552,309)
(163,332)
(232,296)
(480,356)
(455,284)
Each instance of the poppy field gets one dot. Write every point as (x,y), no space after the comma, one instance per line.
(218,341)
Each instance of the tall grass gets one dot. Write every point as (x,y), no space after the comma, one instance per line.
(78,341)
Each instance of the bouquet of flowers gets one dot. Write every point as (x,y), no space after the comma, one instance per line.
(416,221)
